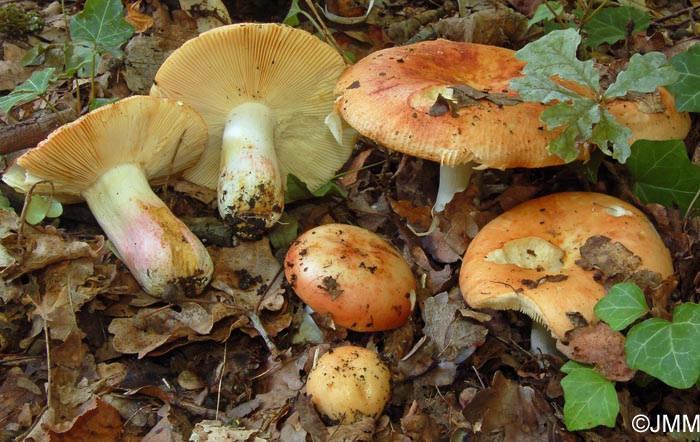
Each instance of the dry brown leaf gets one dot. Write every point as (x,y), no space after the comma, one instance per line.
(16,391)
(95,421)
(246,273)
(601,346)
(151,328)
(419,426)
(138,20)
(510,412)
(419,218)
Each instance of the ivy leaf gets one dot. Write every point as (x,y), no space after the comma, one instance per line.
(663,174)
(669,351)
(611,25)
(589,398)
(555,54)
(34,87)
(687,89)
(644,73)
(608,132)
(623,304)
(102,23)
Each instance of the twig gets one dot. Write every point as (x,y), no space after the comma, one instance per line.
(688,10)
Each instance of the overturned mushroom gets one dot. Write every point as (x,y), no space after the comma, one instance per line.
(108,158)
(529,258)
(265,91)
(354,275)
(450,102)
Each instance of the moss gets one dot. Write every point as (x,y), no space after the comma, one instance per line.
(16,22)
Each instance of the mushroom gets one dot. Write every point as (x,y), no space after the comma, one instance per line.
(348,383)
(266,93)
(450,102)
(353,274)
(107,158)
(530,258)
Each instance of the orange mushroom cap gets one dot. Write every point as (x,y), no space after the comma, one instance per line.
(387,97)
(526,258)
(354,275)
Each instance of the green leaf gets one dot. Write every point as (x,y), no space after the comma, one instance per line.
(608,132)
(101,22)
(4,203)
(555,54)
(687,89)
(541,89)
(284,232)
(580,116)
(297,190)
(41,207)
(34,87)
(669,351)
(663,174)
(79,60)
(611,25)
(644,73)
(292,18)
(99,102)
(543,13)
(589,398)
(624,304)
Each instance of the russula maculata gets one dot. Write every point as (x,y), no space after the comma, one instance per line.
(450,102)
(266,94)
(348,383)
(110,157)
(353,274)
(530,257)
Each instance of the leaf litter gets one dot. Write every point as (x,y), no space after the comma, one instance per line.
(225,366)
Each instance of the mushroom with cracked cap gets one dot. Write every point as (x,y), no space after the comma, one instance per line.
(266,93)
(450,102)
(348,383)
(110,157)
(353,274)
(530,258)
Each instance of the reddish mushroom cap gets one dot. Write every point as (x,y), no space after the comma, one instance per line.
(354,275)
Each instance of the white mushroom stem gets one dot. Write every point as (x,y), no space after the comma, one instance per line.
(250,187)
(541,340)
(166,258)
(453,180)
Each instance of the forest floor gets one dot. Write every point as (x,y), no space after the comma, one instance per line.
(121,365)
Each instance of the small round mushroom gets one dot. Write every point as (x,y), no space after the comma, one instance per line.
(109,158)
(530,258)
(450,102)
(266,93)
(348,383)
(353,274)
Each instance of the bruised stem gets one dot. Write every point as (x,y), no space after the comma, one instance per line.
(160,251)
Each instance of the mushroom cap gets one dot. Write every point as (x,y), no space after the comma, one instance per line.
(353,274)
(387,95)
(287,69)
(162,136)
(348,383)
(525,259)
